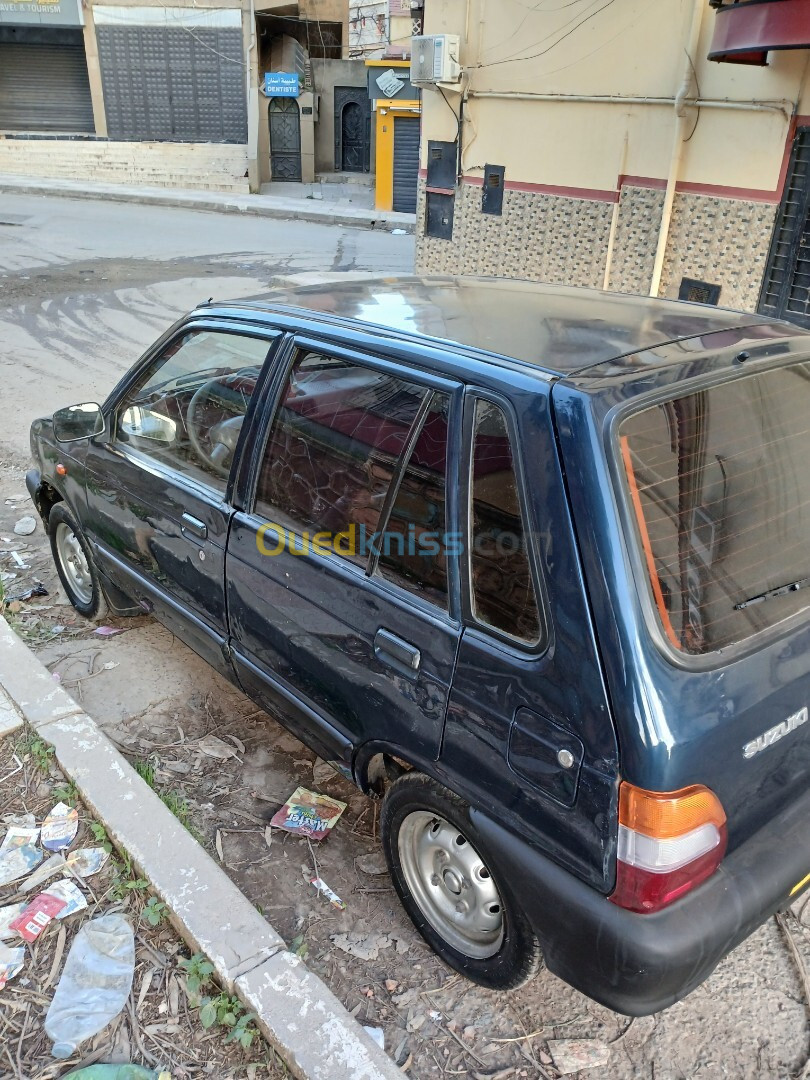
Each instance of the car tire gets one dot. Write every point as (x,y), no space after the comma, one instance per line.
(468,917)
(74,564)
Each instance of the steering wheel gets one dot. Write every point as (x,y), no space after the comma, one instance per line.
(217,446)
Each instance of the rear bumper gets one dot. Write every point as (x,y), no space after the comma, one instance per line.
(638,964)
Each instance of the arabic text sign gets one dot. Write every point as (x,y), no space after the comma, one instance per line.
(281,84)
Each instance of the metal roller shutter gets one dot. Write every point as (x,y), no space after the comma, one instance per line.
(406,163)
(44,84)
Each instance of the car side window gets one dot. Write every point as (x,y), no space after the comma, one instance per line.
(333,450)
(187,410)
(413,550)
(503,593)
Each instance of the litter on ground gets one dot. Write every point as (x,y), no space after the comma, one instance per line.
(309,814)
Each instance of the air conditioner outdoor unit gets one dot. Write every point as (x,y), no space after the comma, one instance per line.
(434,59)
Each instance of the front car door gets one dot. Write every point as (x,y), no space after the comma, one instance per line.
(157,484)
(342,588)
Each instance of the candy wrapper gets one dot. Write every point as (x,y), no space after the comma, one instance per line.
(7,916)
(86,861)
(70,894)
(11,962)
(33,919)
(16,862)
(309,814)
(60,827)
(17,837)
(330,894)
(48,869)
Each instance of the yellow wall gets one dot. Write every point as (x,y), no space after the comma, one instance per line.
(633,48)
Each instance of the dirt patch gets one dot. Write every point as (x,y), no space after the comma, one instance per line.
(157,701)
(159,1027)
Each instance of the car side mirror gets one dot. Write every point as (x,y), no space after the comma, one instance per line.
(78,422)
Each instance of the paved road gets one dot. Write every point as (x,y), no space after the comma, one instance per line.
(85,286)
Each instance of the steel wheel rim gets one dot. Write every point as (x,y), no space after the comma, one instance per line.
(74,564)
(451,884)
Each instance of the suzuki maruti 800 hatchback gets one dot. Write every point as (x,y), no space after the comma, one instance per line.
(531,563)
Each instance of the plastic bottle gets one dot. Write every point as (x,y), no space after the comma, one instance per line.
(95,983)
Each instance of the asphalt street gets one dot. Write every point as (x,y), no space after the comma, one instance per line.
(86,286)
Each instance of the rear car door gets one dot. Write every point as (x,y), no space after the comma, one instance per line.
(342,590)
(529,738)
(157,483)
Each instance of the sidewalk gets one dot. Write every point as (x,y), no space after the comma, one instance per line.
(299,208)
(298,1015)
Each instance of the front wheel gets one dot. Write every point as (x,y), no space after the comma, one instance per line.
(75,565)
(448,890)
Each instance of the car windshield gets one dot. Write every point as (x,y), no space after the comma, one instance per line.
(719,482)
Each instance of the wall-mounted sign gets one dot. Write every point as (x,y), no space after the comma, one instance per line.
(281,84)
(390,83)
(393,82)
(41,13)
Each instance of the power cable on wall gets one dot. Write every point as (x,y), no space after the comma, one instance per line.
(534,56)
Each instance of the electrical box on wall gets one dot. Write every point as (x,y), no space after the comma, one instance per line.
(492,195)
(434,60)
(441,164)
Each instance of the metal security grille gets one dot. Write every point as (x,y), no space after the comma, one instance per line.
(44,84)
(786,288)
(178,85)
(406,163)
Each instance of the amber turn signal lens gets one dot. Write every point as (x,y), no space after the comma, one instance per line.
(61,470)
(665,814)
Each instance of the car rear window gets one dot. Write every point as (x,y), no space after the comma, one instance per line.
(719,482)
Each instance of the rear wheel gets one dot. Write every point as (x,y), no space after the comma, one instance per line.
(74,563)
(450,893)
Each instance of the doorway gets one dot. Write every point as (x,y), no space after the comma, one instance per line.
(285,139)
(352,129)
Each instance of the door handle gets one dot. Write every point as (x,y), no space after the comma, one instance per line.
(399,654)
(191,526)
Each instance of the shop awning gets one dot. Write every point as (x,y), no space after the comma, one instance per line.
(744,33)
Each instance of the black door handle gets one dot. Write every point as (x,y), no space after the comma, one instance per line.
(191,526)
(399,654)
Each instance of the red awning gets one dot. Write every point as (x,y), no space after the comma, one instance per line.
(745,32)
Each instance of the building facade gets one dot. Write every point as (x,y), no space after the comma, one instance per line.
(605,147)
(174,95)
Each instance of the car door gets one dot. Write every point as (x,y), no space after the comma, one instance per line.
(157,483)
(342,586)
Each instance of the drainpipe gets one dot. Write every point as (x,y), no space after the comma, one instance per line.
(677,146)
(614,221)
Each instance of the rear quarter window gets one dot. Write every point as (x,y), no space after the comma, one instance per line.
(719,484)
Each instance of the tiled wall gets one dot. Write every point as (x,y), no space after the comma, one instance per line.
(557,239)
(540,237)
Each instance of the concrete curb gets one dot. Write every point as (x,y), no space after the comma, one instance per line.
(300,1017)
(271,206)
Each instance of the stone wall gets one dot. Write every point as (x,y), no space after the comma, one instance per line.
(564,240)
(202,166)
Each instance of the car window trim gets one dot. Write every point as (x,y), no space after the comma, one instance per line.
(398,474)
(519,645)
(638,576)
(114,402)
(285,357)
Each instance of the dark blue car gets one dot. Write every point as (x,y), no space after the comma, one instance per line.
(530,563)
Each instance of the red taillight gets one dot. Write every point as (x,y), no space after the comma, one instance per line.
(669,842)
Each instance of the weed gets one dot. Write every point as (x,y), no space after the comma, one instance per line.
(146,771)
(100,835)
(229,1012)
(155,912)
(198,973)
(40,752)
(299,946)
(66,793)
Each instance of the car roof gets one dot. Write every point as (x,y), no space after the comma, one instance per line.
(557,329)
